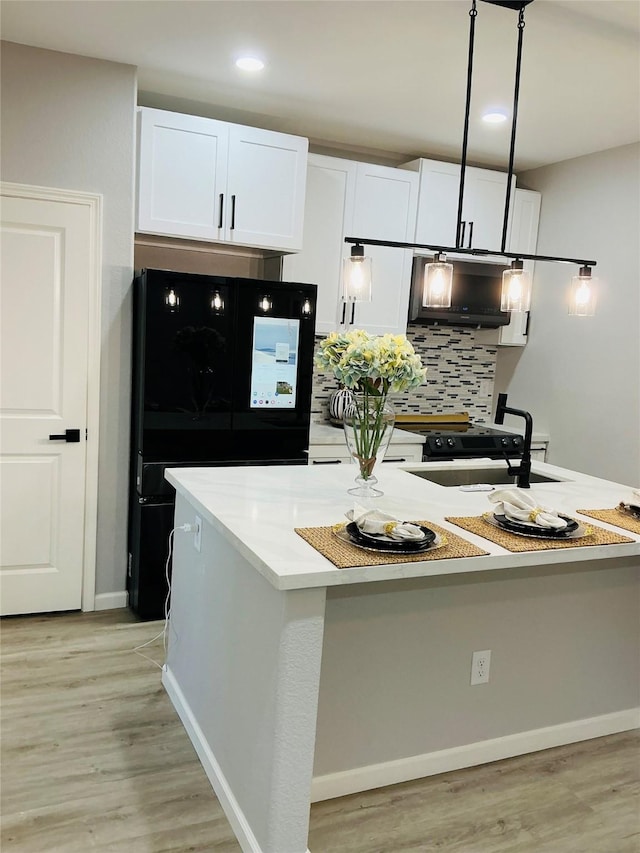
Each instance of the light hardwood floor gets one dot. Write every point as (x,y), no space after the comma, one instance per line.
(94,758)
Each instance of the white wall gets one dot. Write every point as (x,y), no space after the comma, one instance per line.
(68,122)
(580,376)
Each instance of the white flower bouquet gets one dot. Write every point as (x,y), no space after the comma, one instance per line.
(372,366)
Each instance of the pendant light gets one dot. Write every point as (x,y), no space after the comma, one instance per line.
(438,278)
(516,288)
(356,277)
(582,299)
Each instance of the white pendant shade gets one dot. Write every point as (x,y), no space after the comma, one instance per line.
(516,289)
(356,279)
(582,298)
(438,278)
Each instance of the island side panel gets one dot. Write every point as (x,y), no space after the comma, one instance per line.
(395,696)
(243,670)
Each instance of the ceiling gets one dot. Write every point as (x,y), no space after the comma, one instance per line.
(385,77)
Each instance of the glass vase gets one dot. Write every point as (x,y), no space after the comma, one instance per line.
(368,424)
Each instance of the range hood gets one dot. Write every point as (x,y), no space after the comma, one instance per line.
(475,297)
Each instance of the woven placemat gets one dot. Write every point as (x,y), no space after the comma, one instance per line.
(614,516)
(346,556)
(513,542)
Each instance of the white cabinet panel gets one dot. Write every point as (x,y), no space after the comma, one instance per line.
(385,209)
(330,190)
(181,174)
(209,180)
(350,199)
(482,209)
(266,186)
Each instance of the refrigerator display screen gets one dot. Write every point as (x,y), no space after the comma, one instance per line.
(274,363)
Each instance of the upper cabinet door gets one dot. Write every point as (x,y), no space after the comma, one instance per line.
(265,188)
(330,192)
(438,203)
(482,209)
(182,163)
(385,208)
(485,193)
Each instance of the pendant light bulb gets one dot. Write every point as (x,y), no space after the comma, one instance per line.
(171,300)
(582,299)
(438,278)
(217,303)
(516,288)
(265,304)
(356,277)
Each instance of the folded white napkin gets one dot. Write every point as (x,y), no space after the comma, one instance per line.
(518,505)
(380,523)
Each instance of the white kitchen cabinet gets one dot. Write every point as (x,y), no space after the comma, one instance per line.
(345,198)
(524,238)
(332,454)
(482,210)
(210,180)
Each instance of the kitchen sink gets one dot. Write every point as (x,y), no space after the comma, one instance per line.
(471,476)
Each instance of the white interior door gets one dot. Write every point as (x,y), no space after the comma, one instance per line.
(47,249)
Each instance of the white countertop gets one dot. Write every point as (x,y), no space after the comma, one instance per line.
(328,434)
(257,509)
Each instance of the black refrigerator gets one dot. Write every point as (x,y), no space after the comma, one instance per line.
(222,375)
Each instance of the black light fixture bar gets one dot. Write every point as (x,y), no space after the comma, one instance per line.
(483,253)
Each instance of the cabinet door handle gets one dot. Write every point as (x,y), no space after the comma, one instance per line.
(326,461)
(69,435)
(221,209)
(397,459)
(233,212)
(462,227)
(470,233)
(344,313)
(353,313)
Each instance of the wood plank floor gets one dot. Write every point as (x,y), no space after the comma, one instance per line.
(94,758)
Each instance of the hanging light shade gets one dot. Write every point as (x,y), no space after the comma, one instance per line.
(356,277)
(582,299)
(438,278)
(516,288)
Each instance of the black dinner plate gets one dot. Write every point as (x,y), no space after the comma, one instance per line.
(381,542)
(531,530)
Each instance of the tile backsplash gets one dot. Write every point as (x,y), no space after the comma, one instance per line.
(460,375)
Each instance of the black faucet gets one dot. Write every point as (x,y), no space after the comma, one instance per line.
(523,471)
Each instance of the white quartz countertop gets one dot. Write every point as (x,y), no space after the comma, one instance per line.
(257,508)
(329,434)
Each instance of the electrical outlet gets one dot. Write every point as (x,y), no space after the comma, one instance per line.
(480,663)
(197,536)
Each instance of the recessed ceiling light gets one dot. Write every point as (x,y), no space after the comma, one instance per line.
(494,117)
(250,63)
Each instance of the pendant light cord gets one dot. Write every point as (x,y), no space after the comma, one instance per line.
(514,120)
(465,134)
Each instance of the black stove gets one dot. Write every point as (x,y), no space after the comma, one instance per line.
(445,441)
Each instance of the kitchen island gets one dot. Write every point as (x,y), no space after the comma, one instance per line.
(299,681)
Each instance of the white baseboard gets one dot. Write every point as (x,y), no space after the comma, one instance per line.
(111,600)
(445,760)
(230,805)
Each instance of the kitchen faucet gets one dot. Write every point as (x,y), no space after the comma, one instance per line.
(522,472)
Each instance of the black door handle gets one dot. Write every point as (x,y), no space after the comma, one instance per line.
(462,227)
(470,233)
(70,435)
(221,200)
(233,213)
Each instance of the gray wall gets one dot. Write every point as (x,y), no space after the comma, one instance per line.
(580,376)
(68,122)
